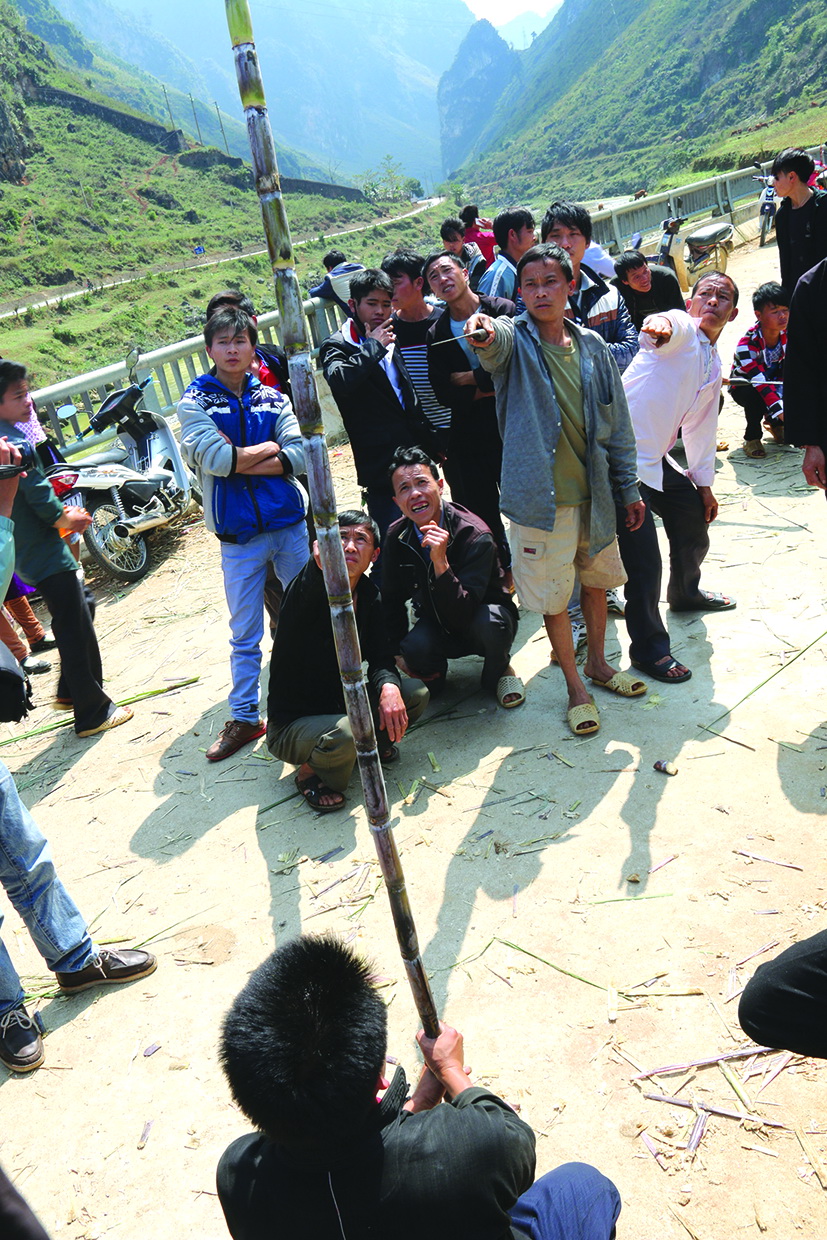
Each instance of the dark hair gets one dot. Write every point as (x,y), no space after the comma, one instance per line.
(355,516)
(451,228)
(722,275)
(628,261)
(455,259)
(793,159)
(304,1042)
(362,283)
(546,252)
(230,297)
(10,372)
(769,294)
(403,457)
(403,262)
(469,214)
(513,217)
(230,319)
(333,258)
(570,214)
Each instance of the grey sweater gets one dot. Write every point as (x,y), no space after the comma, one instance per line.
(529,419)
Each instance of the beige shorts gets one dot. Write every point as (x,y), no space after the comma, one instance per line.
(544,563)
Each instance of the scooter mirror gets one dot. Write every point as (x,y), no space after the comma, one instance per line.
(132,358)
(66,412)
(636,240)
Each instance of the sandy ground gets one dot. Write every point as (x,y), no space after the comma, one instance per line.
(526,852)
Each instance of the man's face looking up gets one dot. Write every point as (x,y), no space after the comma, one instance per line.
(418,493)
(447,280)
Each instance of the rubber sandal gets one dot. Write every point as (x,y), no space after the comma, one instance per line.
(121,714)
(711,602)
(585,713)
(658,671)
(622,684)
(312,788)
(508,685)
(754,449)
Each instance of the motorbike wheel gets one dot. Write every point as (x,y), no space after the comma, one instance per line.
(766,222)
(125,558)
(720,258)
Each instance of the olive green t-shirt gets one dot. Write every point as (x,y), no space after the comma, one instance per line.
(571,479)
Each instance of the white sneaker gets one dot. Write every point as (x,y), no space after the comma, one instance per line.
(615,603)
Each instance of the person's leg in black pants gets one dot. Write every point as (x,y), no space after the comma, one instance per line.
(754,410)
(681,509)
(427,648)
(785,1003)
(477,450)
(640,553)
(81,672)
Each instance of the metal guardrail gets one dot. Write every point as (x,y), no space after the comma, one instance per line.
(727,194)
(734,194)
(172,368)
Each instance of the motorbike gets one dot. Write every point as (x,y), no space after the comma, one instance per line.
(138,484)
(767,202)
(707,248)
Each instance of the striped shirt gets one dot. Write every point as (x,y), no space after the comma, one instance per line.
(411,343)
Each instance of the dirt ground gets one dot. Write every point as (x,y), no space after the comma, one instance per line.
(525,851)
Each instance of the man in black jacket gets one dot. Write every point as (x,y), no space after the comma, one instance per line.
(646,290)
(303,1049)
(373,391)
(444,559)
(805,378)
(306,723)
(801,219)
(475,448)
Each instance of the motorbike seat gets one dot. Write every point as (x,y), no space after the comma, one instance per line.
(109,456)
(710,233)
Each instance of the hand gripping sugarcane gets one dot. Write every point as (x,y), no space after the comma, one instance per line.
(323,497)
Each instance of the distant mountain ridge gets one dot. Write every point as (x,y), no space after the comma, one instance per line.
(349,82)
(611,94)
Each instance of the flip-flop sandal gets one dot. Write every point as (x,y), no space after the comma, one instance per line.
(711,602)
(585,713)
(658,671)
(312,789)
(623,684)
(508,685)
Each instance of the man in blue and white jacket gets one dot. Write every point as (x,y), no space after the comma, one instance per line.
(244,440)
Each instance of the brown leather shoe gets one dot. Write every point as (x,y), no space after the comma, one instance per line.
(110,969)
(233,736)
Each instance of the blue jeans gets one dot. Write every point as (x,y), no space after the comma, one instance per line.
(26,871)
(573,1202)
(245,569)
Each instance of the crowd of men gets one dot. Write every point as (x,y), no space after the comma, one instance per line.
(545,391)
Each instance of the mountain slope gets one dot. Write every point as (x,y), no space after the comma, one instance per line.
(117,79)
(609,96)
(348,82)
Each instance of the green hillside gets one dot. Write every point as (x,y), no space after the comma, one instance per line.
(610,98)
(105,77)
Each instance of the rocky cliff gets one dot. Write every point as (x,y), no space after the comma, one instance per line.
(469,90)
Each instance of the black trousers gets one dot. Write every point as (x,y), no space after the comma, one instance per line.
(639,551)
(427,648)
(754,409)
(785,1003)
(81,673)
(681,509)
(476,455)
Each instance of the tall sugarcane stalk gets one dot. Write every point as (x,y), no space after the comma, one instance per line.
(323,498)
